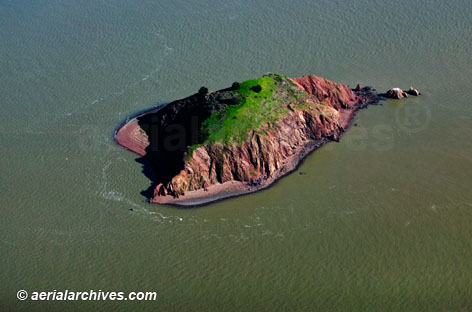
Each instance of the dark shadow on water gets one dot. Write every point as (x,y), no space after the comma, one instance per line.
(148,172)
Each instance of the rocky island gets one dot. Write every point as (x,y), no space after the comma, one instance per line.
(238,140)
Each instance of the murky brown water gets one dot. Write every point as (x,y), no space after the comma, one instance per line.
(380,221)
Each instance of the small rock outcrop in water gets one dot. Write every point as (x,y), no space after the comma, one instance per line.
(243,140)
(396,93)
(413,91)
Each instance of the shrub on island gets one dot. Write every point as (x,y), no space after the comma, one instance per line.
(256,88)
(235,86)
(203,91)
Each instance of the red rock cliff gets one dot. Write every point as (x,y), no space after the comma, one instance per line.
(336,95)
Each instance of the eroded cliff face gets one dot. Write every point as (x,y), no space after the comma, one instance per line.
(334,94)
(267,151)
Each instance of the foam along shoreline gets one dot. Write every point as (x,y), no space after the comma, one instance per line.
(130,136)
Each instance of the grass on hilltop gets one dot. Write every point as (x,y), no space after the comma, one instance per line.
(233,124)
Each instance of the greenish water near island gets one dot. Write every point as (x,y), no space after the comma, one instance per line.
(380,221)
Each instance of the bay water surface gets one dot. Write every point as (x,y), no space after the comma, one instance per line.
(381,221)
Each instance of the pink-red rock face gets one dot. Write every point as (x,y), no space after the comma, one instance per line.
(266,150)
(336,95)
(132,137)
(257,159)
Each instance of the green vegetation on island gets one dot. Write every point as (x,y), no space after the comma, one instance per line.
(260,100)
